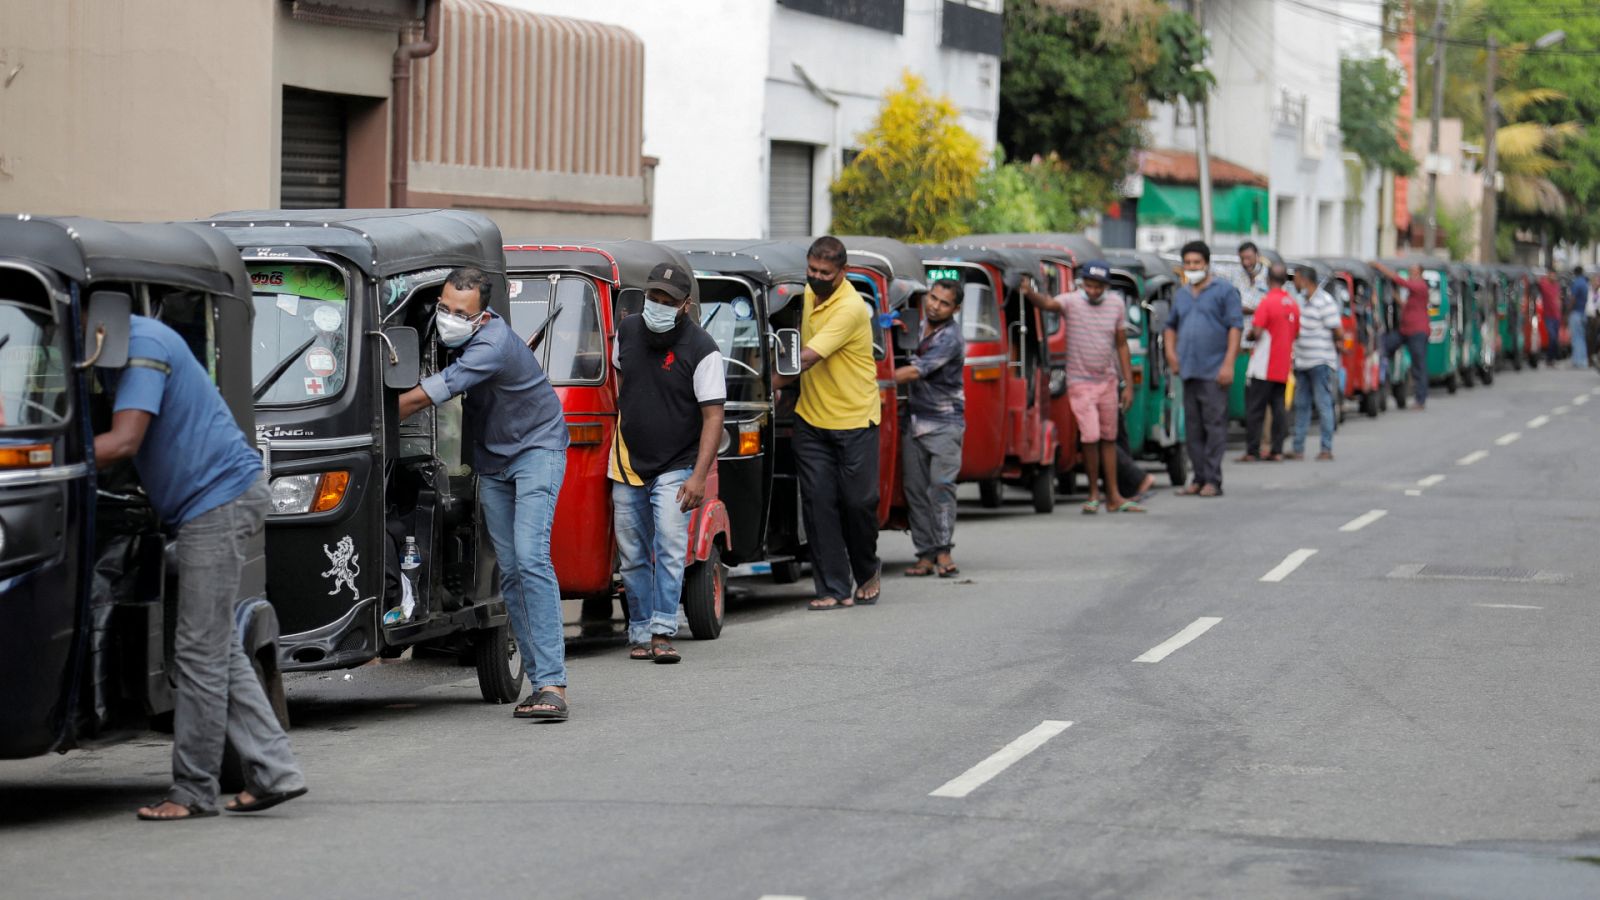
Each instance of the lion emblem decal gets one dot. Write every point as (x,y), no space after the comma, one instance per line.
(345,566)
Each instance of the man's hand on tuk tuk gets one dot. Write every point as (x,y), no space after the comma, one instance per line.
(692,493)
(1127,396)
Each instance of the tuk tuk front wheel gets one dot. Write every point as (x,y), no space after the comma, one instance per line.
(1044,488)
(990,493)
(499,664)
(705,592)
(1177,467)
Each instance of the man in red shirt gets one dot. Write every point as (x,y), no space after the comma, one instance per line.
(1550,311)
(1274,327)
(1414,326)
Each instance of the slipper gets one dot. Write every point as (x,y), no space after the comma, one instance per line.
(263,801)
(664,654)
(1128,506)
(949,571)
(1092,507)
(818,605)
(1210,490)
(1192,490)
(196,811)
(876,583)
(1248,458)
(558,712)
(921,570)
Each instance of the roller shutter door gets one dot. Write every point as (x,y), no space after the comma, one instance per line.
(313,150)
(789,194)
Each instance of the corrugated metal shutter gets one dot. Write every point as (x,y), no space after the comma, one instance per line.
(789,194)
(313,150)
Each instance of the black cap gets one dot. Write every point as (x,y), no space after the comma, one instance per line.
(671,279)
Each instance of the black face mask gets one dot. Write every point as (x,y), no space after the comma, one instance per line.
(821,287)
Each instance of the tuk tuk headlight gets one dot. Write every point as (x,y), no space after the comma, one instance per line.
(313,492)
(726,442)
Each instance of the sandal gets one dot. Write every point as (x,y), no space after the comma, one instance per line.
(664,654)
(1188,490)
(529,709)
(263,801)
(1091,508)
(192,811)
(824,604)
(639,651)
(1128,506)
(874,584)
(949,571)
(1210,490)
(1248,458)
(922,569)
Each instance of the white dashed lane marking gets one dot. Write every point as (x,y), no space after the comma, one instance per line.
(1167,647)
(1472,457)
(1538,421)
(1506,606)
(1430,481)
(1003,759)
(1363,520)
(1561,410)
(1290,563)
(1413,492)
(1507,439)
(1580,400)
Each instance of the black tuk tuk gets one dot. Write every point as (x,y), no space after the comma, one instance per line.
(90,594)
(341,297)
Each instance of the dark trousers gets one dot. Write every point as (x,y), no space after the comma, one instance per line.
(1552,347)
(1130,475)
(1205,415)
(1261,395)
(839,495)
(1417,348)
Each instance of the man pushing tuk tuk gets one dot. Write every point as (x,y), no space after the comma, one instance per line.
(206,481)
(519,451)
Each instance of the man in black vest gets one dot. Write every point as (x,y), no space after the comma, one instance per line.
(670,394)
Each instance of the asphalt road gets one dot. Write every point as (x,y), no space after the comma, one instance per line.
(1408,712)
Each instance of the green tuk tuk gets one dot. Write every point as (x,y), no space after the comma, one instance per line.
(1154,423)
(1477,314)
(1445,322)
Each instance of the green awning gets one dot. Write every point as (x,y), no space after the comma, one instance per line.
(1236,209)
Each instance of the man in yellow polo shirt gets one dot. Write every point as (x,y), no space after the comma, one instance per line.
(836,436)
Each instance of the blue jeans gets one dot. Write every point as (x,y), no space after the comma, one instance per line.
(1313,385)
(519,505)
(1580,347)
(652,550)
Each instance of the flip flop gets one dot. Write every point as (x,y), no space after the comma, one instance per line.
(1091,508)
(664,654)
(876,581)
(1128,506)
(196,811)
(949,571)
(263,801)
(557,714)
(1192,490)
(918,571)
(818,606)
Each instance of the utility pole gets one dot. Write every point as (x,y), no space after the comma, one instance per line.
(1202,146)
(1430,239)
(1488,210)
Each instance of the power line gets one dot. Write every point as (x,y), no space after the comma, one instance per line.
(1420,35)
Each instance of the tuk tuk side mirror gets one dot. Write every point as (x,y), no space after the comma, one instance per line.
(108,320)
(400,357)
(788,351)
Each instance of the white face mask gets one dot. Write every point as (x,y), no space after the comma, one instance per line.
(659,317)
(452,331)
(1194,276)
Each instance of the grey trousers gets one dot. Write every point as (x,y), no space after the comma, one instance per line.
(931,463)
(218,695)
(1205,418)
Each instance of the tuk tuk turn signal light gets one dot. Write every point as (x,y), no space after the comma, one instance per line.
(749,441)
(26,456)
(294,495)
(330,491)
(988,373)
(585,433)
(1138,376)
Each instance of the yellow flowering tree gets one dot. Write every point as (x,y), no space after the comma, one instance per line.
(917,172)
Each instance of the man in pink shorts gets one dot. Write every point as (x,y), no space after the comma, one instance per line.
(1097,359)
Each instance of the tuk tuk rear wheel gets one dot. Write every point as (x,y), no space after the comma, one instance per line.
(1177,466)
(499,664)
(1469,376)
(990,493)
(1369,404)
(705,592)
(1452,383)
(1044,488)
(1486,375)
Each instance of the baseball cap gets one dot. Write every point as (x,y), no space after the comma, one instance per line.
(1095,270)
(671,279)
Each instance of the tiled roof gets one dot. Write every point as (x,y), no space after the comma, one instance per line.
(1180,167)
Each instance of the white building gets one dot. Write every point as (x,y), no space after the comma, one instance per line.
(1275,111)
(752,105)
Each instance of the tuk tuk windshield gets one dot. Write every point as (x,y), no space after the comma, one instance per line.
(728,314)
(300,340)
(572,349)
(33,371)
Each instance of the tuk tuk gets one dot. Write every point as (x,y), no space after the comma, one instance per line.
(1353,285)
(1009,436)
(1155,420)
(1444,318)
(745,288)
(341,298)
(1478,333)
(567,298)
(89,586)
(1511,290)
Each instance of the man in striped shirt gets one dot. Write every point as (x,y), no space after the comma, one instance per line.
(1316,362)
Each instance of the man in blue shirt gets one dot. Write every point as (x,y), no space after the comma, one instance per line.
(519,451)
(1202,339)
(205,481)
(1579,294)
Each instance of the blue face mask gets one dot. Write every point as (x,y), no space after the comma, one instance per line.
(659,317)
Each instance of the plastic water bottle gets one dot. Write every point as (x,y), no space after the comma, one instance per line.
(411,557)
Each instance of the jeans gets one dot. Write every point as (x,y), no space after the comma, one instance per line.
(218,695)
(1260,395)
(838,472)
(1580,350)
(1313,385)
(1205,414)
(1552,330)
(652,550)
(932,462)
(519,505)
(1417,348)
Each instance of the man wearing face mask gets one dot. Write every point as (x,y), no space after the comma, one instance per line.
(836,437)
(931,452)
(519,451)
(669,399)
(1202,341)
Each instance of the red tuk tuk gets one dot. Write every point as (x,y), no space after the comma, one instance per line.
(566,299)
(1010,438)
(1352,285)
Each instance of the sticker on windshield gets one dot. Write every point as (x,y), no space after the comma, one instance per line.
(742,309)
(289,303)
(327,318)
(315,387)
(321,362)
(515,289)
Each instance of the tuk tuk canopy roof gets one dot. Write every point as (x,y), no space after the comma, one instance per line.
(1319,266)
(1157,272)
(768,262)
(896,261)
(1007,259)
(1422,262)
(1079,248)
(1355,267)
(623,263)
(381,242)
(89,250)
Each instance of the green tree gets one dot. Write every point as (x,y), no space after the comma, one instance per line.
(1037,195)
(1369,97)
(917,173)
